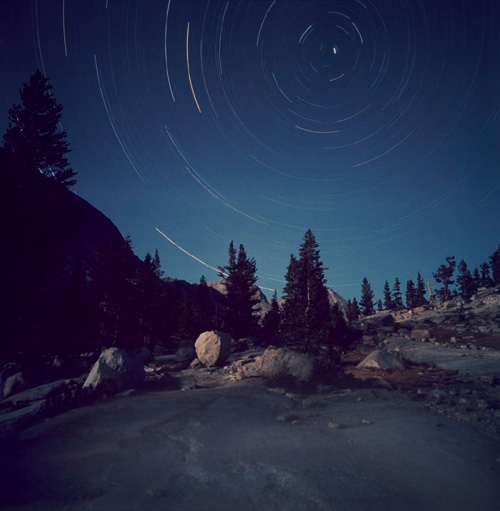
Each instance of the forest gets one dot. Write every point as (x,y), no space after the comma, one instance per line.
(63,300)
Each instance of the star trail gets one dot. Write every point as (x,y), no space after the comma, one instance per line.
(376,123)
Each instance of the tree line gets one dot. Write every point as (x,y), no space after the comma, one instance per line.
(448,274)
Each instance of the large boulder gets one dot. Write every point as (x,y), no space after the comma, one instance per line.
(213,348)
(278,363)
(381,359)
(115,370)
(380,320)
(15,384)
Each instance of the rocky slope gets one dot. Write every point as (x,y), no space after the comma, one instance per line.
(451,354)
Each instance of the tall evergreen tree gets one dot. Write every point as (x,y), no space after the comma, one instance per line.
(410,294)
(34,142)
(352,310)
(271,323)
(420,291)
(240,280)
(366,301)
(485,278)
(465,281)
(495,266)
(397,295)
(388,302)
(306,313)
(476,277)
(444,275)
(317,305)
(355,308)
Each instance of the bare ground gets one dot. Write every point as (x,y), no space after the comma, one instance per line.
(249,447)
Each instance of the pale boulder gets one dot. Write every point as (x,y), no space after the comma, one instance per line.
(277,363)
(15,384)
(381,359)
(115,370)
(213,348)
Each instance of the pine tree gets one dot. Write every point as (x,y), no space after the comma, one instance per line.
(271,323)
(317,305)
(495,266)
(444,276)
(388,302)
(410,294)
(156,265)
(33,141)
(380,306)
(476,277)
(420,291)
(366,302)
(485,280)
(306,313)
(352,310)
(397,295)
(240,281)
(465,281)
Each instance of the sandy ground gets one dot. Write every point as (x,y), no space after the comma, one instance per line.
(248,447)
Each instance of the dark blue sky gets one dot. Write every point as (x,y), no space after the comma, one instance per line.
(376,123)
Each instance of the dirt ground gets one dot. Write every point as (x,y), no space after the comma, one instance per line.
(246,446)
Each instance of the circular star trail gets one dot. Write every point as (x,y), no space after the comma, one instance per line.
(373,122)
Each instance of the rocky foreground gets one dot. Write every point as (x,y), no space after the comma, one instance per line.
(410,421)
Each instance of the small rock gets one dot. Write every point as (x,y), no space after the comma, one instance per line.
(482,404)
(287,417)
(437,394)
(334,425)
(420,333)
(486,378)
(195,364)
(366,421)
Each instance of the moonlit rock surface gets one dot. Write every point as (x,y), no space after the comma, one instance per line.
(14,384)
(213,348)
(283,362)
(242,447)
(115,368)
(381,359)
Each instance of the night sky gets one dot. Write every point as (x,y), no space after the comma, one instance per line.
(376,123)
